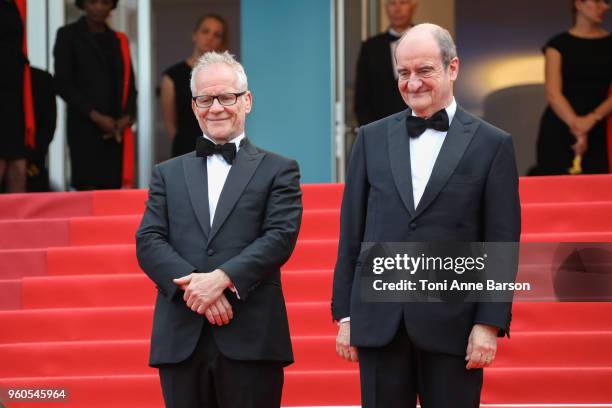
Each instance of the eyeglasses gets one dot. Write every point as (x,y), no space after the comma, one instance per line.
(226,99)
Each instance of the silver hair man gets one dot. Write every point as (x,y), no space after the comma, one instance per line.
(224,58)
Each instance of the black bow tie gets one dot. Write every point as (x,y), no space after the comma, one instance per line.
(205,148)
(416,126)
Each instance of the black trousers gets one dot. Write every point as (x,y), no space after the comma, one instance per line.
(394,375)
(207,379)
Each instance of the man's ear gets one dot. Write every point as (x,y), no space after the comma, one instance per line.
(453,68)
(248,101)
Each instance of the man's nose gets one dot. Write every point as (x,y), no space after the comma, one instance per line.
(216,106)
(413,83)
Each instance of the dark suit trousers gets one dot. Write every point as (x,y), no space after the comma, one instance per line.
(392,376)
(207,379)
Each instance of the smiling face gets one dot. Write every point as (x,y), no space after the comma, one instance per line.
(425,85)
(221,123)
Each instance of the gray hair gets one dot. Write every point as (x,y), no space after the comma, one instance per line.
(448,49)
(219,58)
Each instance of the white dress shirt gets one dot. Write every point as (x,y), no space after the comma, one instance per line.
(424,151)
(217,170)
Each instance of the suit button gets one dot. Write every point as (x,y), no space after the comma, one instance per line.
(413,225)
(210,252)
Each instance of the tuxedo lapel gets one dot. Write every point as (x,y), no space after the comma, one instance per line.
(399,159)
(246,162)
(457,139)
(197,184)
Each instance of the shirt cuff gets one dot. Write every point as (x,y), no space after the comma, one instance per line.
(344,319)
(233,289)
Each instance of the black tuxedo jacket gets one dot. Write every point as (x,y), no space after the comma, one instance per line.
(376,92)
(472,195)
(253,233)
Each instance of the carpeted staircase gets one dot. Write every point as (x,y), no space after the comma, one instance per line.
(75,309)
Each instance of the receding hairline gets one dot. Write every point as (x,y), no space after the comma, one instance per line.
(440,36)
(428,28)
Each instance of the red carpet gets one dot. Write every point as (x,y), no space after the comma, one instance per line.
(75,309)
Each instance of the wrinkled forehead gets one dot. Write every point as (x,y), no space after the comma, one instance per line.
(419,46)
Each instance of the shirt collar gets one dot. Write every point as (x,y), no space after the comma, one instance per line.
(235,140)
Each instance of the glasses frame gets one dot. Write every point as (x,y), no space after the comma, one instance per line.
(236,95)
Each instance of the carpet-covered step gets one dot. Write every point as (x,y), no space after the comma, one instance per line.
(526,350)
(45,205)
(119,323)
(113,259)
(34,233)
(299,285)
(311,388)
(567,217)
(139,290)
(565,189)
(126,357)
(17,263)
(121,229)
(541,222)
(305,318)
(122,202)
(10,294)
(550,189)
(548,219)
(602,236)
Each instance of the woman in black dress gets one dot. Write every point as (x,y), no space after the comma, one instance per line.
(209,34)
(578,78)
(12,142)
(89,74)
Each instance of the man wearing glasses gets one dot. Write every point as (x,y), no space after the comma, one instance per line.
(219,224)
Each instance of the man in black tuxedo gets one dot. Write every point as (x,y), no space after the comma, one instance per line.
(414,178)
(376,94)
(218,225)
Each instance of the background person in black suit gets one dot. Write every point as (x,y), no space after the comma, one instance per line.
(376,94)
(216,224)
(89,77)
(417,180)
